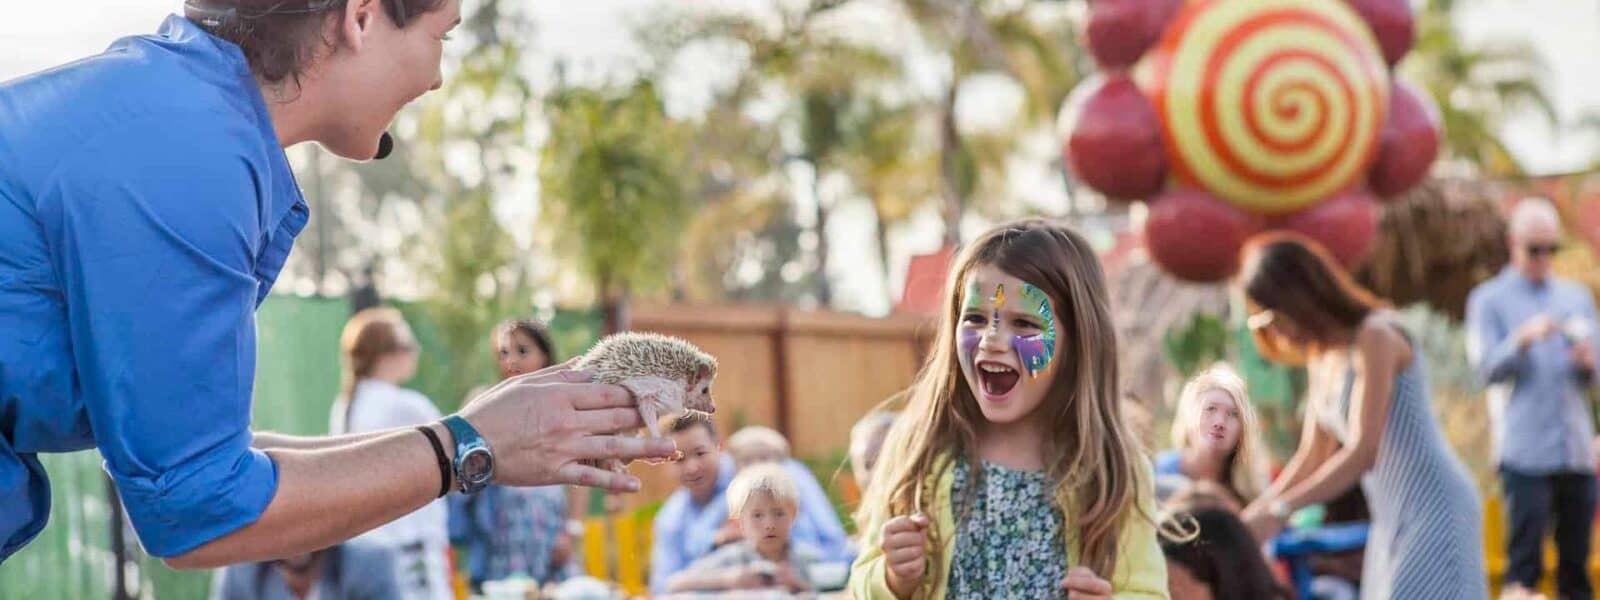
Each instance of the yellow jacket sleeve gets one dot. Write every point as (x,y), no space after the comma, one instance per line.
(1141,568)
(867,576)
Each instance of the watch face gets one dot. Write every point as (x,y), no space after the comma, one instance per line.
(477,466)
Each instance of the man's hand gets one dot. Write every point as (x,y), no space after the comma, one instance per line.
(1261,523)
(1535,329)
(1583,356)
(727,534)
(791,580)
(541,425)
(752,577)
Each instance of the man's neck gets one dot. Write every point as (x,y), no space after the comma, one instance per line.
(289,106)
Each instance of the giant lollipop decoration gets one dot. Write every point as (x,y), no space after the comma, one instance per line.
(1278,110)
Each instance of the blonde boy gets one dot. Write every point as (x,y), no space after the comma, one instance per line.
(764,501)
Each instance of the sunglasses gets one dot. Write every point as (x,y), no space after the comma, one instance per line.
(1543,249)
(1260,320)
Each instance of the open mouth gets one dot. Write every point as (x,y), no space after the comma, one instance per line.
(997,379)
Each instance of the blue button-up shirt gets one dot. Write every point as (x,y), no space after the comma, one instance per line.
(145,209)
(685,530)
(1540,418)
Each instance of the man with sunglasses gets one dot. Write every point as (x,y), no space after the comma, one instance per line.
(1531,335)
(146,208)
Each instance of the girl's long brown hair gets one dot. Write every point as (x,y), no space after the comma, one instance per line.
(367,337)
(1093,458)
(1295,277)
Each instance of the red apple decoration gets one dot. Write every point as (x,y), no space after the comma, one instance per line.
(1114,139)
(1195,236)
(1119,31)
(1346,224)
(1408,142)
(1392,23)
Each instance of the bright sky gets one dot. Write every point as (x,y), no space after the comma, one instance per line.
(593,33)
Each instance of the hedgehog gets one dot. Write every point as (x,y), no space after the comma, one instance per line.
(666,375)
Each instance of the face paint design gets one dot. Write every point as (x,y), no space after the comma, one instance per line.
(998,302)
(970,337)
(1037,351)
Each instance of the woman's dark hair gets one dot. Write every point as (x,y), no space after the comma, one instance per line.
(1224,556)
(535,331)
(279,37)
(1293,276)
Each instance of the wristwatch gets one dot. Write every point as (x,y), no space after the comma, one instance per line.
(1279,510)
(474,464)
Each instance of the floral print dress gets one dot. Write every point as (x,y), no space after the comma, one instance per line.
(1010,543)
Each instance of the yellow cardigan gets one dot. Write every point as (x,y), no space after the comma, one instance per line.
(1141,570)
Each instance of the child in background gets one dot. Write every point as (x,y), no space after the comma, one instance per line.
(1012,460)
(1216,440)
(765,502)
(1223,561)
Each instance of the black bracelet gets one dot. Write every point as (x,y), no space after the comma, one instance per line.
(444,461)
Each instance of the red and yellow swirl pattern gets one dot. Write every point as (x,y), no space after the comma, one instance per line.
(1269,104)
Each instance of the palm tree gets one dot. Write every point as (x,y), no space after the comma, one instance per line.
(615,196)
(887,165)
(820,73)
(1040,54)
(1476,88)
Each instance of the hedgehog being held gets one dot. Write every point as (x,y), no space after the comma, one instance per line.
(665,375)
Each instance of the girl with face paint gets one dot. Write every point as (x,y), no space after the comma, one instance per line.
(1011,472)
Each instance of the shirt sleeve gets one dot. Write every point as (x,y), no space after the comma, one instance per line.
(824,532)
(665,559)
(231,583)
(1490,346)
(156,251)
(1141,571)
(1586,312)
(868,574)
(373,578)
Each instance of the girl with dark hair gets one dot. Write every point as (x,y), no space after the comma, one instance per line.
(1223,561)
(521,346)
(1368,420)
(512,531)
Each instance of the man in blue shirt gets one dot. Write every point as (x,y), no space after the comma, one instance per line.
(686,527)
(146,208)
(1531,336)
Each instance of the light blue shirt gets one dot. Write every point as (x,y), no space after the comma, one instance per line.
(1540,418)
(146,208)
(685,531)
(817,526)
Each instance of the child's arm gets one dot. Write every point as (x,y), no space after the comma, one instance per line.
(869,574)
(709,579)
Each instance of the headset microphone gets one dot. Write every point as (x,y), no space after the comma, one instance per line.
(385,146)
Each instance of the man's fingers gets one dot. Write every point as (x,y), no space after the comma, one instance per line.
(589,396)
(624,448)
(585,475)
(608,420)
